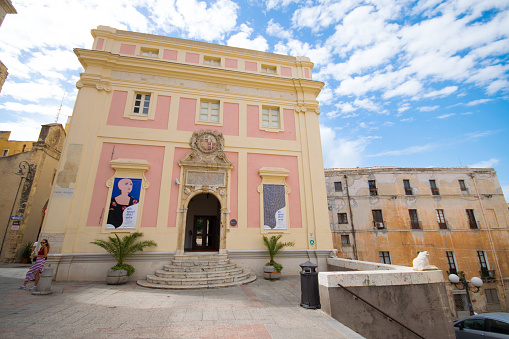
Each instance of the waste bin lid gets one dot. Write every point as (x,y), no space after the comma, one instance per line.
(308,264)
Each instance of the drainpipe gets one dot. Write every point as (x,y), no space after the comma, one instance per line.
(351,220)
(489,233)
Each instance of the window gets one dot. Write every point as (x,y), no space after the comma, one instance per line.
(342,218)
(378,220)
(451,260)
(270,117)
(153,53)
(414,219)
(441,220)
(372,187)
(483,262)
(209,111)
(463,188)
(474,324)
(471,219)
(5,152)
(141,104)
(269,69)
(338,187)
(345,239)
(434,188)
(385,257)
(274,199)
(212,61)
(491,295)
(408,189)
(496,326)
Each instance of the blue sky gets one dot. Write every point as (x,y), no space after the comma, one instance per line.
(407,83)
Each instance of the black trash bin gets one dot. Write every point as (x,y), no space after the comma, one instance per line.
(309,285)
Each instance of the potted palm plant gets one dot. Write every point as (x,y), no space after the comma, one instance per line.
(26,253)
(272,269)
(121,249)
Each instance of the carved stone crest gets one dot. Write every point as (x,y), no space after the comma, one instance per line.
(206,146)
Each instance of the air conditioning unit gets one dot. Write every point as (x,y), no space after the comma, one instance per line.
(379,225)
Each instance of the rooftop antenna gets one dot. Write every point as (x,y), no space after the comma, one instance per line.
(58,114)
(461,165)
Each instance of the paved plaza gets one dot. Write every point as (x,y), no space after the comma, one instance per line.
(262,309)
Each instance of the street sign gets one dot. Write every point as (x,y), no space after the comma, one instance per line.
(15,217)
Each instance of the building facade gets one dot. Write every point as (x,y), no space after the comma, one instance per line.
(6,7)
(201,147)
(27,178)
(11,147)
(458,215)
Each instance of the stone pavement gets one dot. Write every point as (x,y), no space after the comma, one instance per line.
(262,309)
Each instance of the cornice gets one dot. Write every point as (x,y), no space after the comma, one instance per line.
(198,46)
(193,72)
(8,7)
(94,81)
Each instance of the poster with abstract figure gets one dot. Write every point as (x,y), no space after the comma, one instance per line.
(123,211)
(274,207)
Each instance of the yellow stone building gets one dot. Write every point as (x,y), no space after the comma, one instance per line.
(11,147)
(202,147)
(458,215)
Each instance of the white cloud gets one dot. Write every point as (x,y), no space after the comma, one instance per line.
(275,29)
(326,96)
(274,4)
(29,132)
(407,119)
(33,91)
(478,102)
(409,88)
(338,152)
(441,93)
(408,150)
(318,54)
(50,110)
(485,164)
(476,135)
(404,107)
(242,40)
(443,116)
(496,86)
(428,108)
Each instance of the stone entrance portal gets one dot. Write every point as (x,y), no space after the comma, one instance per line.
(202,225)
(205,174)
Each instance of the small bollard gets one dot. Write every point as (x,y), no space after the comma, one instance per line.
(44,285)
(309,286)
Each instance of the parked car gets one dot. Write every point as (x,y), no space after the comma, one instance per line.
(486,325)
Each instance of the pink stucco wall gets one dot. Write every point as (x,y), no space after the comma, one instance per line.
(170,55)
(127,49)
(306,72)
(192,58)
(257,161)
(178,155)
(187,114)
(116,114)
(286,71)
(155,157)
(100,43)
(231,63)
(251,66)
(253,129)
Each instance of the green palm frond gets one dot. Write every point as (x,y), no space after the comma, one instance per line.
(125,247)
(273,245)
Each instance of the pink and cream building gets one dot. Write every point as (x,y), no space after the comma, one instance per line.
(219,145)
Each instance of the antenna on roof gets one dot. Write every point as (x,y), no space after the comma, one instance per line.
(461,165)
(58,114)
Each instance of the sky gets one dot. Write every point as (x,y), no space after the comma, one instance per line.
(407,83)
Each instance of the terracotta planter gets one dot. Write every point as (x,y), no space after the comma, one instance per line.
(116,277)
(270,273)
(25,260)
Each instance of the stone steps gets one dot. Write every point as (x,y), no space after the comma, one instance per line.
(198,270)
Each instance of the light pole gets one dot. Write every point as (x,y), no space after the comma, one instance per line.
(475,281)
(24,165)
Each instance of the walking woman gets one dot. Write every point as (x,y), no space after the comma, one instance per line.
(37,267)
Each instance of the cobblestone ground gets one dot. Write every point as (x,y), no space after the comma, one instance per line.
(262,309)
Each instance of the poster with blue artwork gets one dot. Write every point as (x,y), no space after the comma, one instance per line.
(274,207)
(123,210)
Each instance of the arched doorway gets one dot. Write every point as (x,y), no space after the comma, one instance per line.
(203,223)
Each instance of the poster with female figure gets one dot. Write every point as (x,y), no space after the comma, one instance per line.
(123,210)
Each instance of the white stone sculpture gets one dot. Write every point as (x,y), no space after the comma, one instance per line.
(421,263)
